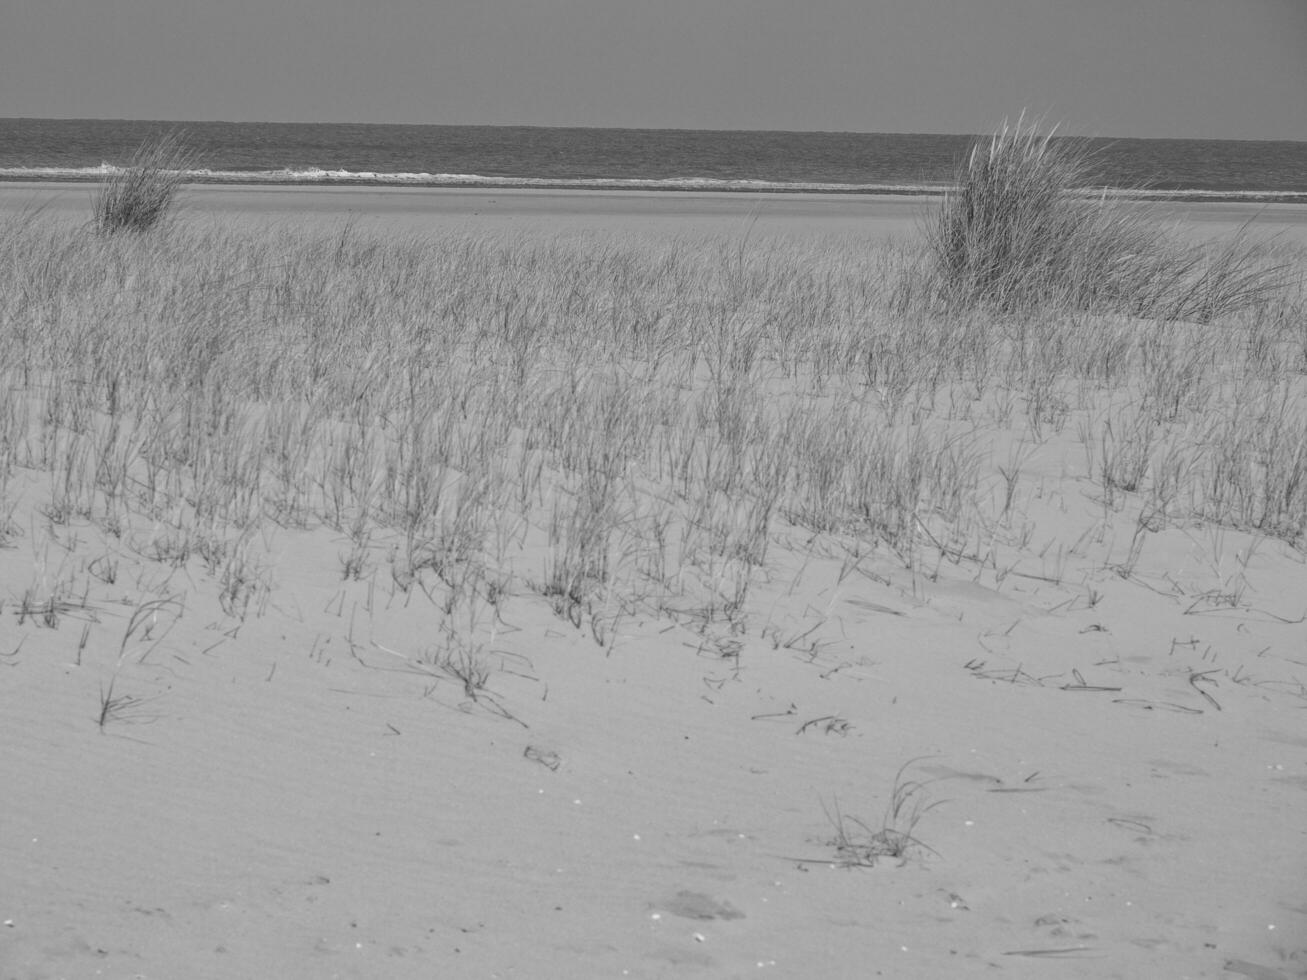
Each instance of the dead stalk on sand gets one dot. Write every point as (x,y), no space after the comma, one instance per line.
(150,622)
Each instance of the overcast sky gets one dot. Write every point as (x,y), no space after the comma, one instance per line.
(1232,69)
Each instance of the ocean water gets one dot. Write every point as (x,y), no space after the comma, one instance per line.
(499,156)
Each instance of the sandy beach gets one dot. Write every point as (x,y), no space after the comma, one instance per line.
(655,212)
(1037,718)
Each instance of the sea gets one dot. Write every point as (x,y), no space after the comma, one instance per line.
(621,159)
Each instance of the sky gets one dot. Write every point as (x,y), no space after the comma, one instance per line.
(1222,69)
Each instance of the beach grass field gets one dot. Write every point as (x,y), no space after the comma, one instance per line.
(541,584)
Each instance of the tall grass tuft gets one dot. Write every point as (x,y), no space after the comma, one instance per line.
(137,197)
(1022,232)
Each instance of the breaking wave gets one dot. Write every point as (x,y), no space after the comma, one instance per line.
(319,176)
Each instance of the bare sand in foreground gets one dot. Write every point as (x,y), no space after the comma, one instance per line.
(1112,767)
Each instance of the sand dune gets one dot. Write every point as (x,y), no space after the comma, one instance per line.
(1082,753)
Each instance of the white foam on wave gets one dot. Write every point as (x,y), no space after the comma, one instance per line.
(318,175)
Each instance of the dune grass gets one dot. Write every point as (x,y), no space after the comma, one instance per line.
(1024,230)
(141,194)
(613,424)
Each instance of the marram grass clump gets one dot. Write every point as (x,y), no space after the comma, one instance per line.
(1023,231)
(137,197)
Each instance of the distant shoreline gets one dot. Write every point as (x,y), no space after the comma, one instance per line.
(687,186)
(458,183)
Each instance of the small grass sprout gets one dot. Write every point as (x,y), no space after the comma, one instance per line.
(858,844)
